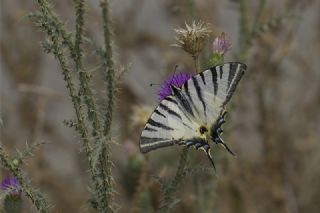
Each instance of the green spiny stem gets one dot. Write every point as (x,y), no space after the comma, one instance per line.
(109,68)
(83,76)
(66,72)
(104,173)
(109,64)
(75,50)
(172,188)
(83,131)
(244,28)
(257,22)
(79,32)
(81,127)
(46,11)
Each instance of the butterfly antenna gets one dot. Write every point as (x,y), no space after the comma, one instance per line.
(151,85)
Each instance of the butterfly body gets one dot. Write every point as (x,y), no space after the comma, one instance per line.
(193,114)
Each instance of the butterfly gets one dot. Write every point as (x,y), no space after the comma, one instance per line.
(193,114)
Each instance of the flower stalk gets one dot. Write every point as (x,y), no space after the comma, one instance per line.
(174,184)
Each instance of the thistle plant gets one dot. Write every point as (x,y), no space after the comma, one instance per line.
(92,126)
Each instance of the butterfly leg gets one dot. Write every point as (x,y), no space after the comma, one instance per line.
(198,145)
(189,143)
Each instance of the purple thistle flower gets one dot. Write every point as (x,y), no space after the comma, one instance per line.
(9,183)
(177,79)
(221,44)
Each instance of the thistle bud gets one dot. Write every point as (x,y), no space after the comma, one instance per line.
(12,201)
(220,46)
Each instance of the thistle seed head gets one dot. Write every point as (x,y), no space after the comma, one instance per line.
(192,38)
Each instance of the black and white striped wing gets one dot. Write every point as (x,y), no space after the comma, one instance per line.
(208,92)
(198,102)
(169,124)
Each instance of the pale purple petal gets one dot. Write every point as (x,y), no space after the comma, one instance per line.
(221,44)
(9,183)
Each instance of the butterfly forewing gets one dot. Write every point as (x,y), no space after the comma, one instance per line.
(209,91)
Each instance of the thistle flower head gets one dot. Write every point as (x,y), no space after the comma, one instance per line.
(221,44)
(192,38)
(177,79)
(10,183)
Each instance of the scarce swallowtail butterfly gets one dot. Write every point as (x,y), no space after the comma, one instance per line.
(192,115)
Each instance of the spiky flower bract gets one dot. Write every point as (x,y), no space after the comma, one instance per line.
(177,79)
(192,38)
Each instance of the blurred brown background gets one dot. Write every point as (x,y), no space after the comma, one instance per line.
(274,126)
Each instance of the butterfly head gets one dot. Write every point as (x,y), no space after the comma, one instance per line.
(204,132)
(203,129)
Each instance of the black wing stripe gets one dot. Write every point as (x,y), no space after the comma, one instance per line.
(168,98)
(221,71)
(202,77)
(159,125)
(236,80)
(214,80)
(186,87)
(159,113)
(146,140)
(186,125)
(232,72)
(171,112)
(176,103)
(198,90)
(183,101)
(150,147)
(150,129)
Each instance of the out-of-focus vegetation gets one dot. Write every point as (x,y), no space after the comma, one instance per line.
(273,125)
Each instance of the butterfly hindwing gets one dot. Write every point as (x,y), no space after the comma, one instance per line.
(167,125)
